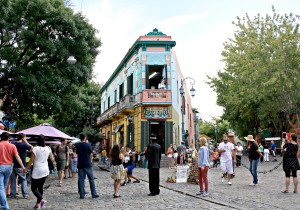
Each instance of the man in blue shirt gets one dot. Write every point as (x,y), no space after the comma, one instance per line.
(85,167)
(22,146)
(273,150)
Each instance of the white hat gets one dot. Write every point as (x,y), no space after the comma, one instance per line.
(249,138)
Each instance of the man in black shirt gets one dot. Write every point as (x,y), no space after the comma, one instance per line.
(153,154)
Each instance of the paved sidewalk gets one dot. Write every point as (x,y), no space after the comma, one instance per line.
(240,195)
(267,194)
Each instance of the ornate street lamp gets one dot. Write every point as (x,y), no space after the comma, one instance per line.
(193,93)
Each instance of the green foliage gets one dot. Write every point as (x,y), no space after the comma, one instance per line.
(83,117)
(37,37)
(216,129)
(259,83)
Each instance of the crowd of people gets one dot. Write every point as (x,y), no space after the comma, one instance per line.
(230,156)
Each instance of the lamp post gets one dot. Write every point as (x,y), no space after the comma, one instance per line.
(71,60)
(181,90)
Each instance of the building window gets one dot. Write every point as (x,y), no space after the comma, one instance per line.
(156,75)
(108,102)
(121,91)
(115,96)
(130,84)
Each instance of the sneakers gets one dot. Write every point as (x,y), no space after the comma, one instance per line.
(43,202)
(252,184)
(205,194)
(37,207)
(200,192)
(96,196)
(229,183)
(222,179)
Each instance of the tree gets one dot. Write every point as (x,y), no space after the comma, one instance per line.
(215,129)
(36,38)
(82,117)
(258,85)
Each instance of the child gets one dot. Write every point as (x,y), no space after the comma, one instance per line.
(103,156)
(215,158)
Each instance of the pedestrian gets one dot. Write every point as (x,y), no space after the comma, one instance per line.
(203,166)
(181,154)
(8,153)
(215,158)
(261,149)
(145,159)
(291,163)
(175,155)
(62,159)
(118,172)
(170,156)
(39,158)
(273,150)
(17,173)
(239,154)
(227,153)
(85,168)
(266,152)
(154,156)
(103,155)
(254,155)
(74,161)
(68,169)
(129,166)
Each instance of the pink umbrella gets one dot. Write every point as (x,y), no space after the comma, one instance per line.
(47,130)
(1,131)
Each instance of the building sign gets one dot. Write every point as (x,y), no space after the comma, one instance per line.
(155,112)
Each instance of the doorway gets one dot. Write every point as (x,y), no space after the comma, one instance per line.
(158,129)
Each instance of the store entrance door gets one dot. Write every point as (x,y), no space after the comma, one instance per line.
(157,128)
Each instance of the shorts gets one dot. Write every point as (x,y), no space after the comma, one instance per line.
(74,166)
(175,155)
(170,155)
(61,165)
(227,167)
(129,169)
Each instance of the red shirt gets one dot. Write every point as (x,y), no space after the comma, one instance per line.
(7,152)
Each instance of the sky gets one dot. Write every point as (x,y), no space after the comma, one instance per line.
(199,27)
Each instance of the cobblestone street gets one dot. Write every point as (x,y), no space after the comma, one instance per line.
(240,195)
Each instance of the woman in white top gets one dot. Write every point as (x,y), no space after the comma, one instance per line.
(39,158)
(239,154)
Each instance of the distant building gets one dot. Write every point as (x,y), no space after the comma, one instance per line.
(142,96)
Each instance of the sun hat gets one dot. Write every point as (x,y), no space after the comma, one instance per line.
(249,138)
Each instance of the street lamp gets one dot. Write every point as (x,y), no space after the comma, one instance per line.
(193,92)
(71,60)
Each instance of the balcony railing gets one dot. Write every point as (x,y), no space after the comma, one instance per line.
(157,95)
(125,103)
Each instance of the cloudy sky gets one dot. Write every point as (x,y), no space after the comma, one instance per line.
(199,27)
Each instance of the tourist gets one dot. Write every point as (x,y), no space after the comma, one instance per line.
(239,154)
(175,155)
(74,162)
(181,154)
(17,174)
(39,158)
(170,156)
(129,166)
(203,166)
(226,151)
(118,172)
(266,152)
(154,156)
(68,169)
(62,158)
(261,149)
(273,150)
(291,163)
(85,154)
(8,153)
(215,158)
(254,155)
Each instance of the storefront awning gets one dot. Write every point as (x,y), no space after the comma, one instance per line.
(117,129)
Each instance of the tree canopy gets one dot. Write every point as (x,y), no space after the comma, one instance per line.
(259,84)
(36,38)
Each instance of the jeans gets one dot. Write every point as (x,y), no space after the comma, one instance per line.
(253,169)
(22,178)
(5,172)
(82,172)
(202,176)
